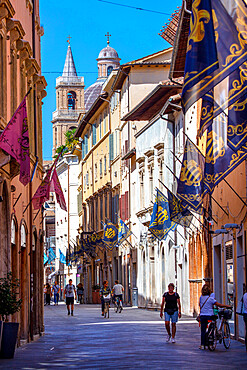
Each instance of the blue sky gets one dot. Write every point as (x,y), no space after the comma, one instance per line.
(134,35)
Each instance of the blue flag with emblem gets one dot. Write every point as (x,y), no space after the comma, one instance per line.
(62,257)
(110,237)
(179,212)
(123,232)
(207,112)
(220,159)
(216,47)
(52,255)
(190,184)
(45,258)
(160,223)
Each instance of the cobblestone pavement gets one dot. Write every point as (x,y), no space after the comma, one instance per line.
(134,339)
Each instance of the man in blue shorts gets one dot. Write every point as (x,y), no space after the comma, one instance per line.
(172,311)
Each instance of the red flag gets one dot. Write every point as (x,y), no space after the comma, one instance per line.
(43,192)
(15,141)
(56,187)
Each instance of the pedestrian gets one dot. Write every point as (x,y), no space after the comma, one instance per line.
(105,291)
(45,294)
(245,316)
(172,311)
(70,294)
(56,290)
(80,291)
(118,290)
(206,304)
(48,294)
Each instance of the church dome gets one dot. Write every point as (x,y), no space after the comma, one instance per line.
(108,53)
(92,92)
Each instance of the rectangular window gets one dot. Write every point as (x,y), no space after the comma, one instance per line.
(105,114)
(86,144)
(100,168)
(101,208)
(105,164)
(83,149)
(100,126)
(106,213)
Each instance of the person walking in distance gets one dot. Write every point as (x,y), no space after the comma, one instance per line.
(70,294)
(56,290)
(80,291)
(171,301)
(48,294)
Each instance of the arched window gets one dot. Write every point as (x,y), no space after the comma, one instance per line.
(109,70)
(71,99)
(23,236)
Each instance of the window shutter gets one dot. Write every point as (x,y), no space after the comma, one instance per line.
(123,206)
(127,205)
(83,149)
(111,151)
(94,134)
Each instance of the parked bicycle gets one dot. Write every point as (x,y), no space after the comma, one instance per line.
(107,305)
(220,333)
(118,305)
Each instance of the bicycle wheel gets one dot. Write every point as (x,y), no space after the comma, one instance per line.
(211,336)
(226,335)
(108,306)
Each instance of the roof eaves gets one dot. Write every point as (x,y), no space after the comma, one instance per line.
(120,77)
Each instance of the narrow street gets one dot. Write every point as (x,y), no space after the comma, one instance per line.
(133,339)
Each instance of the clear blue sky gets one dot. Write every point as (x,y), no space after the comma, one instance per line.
(134,35)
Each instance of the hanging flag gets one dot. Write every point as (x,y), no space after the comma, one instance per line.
(52,255)
(56,187)
(42,194)
(123,232)
(207,112)
(62,257)
(237,120)
(15,141)
(216,47)
(220,159)
(45,258)
(110,237)
(190,183)
(179,212)
(160,223)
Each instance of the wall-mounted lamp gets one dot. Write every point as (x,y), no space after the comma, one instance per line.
(221,231)
(232,226)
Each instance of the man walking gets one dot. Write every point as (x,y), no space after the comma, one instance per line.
(56,290)
(70,294)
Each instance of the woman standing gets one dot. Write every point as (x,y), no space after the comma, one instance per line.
(48,294)
(206,304)
(172,311)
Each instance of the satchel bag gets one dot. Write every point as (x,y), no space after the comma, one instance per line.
(240,307)
(198,318)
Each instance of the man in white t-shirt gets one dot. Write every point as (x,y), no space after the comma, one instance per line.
(70,293)
(117,291)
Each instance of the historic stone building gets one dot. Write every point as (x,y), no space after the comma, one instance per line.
(69,101)
(21,229)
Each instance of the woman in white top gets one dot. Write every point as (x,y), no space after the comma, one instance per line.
(206,304)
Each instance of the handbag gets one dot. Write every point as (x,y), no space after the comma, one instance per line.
(240,307)
(198,318)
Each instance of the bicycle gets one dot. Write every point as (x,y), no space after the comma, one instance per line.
(118,305)
(222,333)
(107,305)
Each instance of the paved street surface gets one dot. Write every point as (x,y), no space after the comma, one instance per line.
(134,339)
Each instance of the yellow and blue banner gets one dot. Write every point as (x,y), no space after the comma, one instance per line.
(110,237)
(190,184)
(160,223)
(216,47)
(123,232)
(220,159)
(179,212)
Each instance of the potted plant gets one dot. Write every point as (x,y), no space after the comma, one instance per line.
(95,294)
(9,304)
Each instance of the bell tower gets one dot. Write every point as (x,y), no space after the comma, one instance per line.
(69,100)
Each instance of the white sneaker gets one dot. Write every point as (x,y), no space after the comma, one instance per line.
(173,340)
(168,338)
